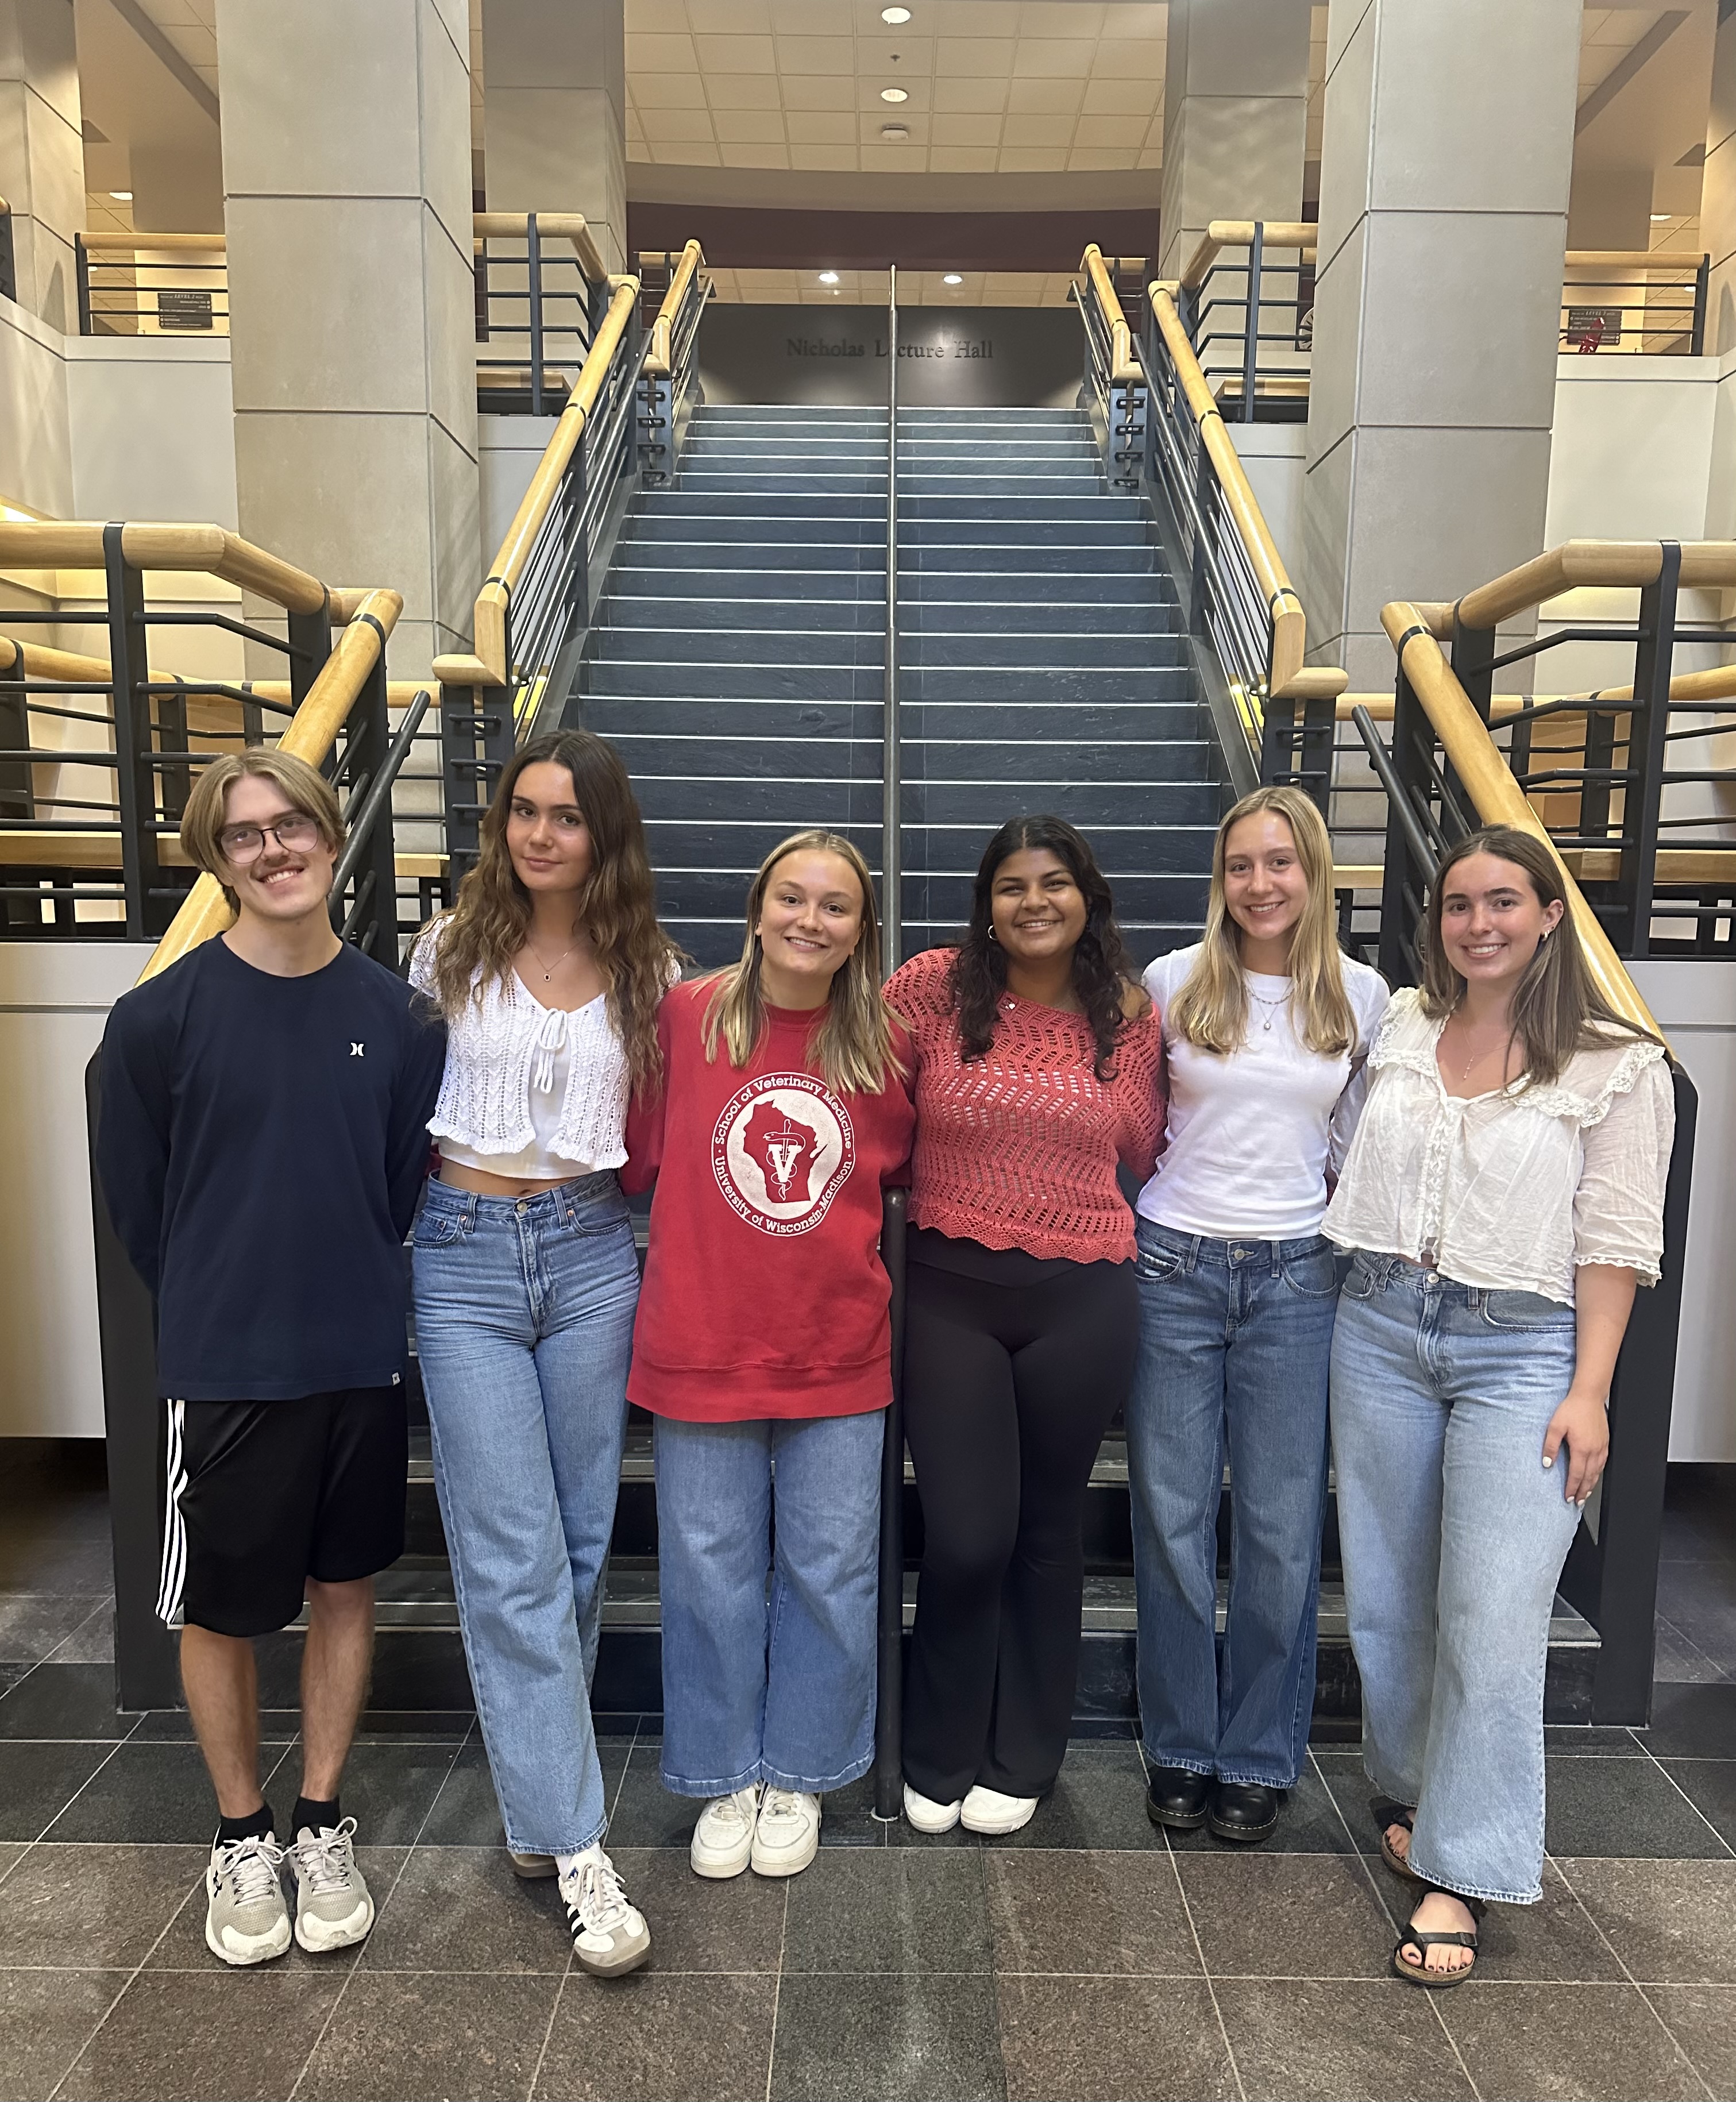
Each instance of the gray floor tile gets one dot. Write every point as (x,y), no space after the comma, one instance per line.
(45,2018)
(649,2038)
(92,1641)
(1702,2020)
(462,1909)
(1710,1784)
(1286,1915)
(68,1564)
(913,2038)
(1554,1939)
(91,1910)
(183,1947)
(1673,1922)
(1112,2040)
(465,1812)
(174,1726)
(645,1814)
(701,1925)
(892,1909)
(388,1788)
(65,1701)
(400,2038)
(1692,1722)
(1589,1741)
(179,2035)
(11,1853)
(1566,2043)
(147,1795)
(1296,2040)
(1098,1801)
(33,1625)
(1107,1914)
(1678,1662)
(38,1781)
(1622,1810)
(848,1818)
(1309,1823)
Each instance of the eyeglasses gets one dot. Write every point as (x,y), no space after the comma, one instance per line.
(294,831)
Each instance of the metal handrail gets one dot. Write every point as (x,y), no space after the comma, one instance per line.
(892,843)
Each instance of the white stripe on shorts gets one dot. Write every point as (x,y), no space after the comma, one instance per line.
(174,1532)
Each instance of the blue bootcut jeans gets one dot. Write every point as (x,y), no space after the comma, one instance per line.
(524,1329)
(1235,1338)
(769,1683)
(1453,1534)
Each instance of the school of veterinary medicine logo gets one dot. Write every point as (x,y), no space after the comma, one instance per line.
(782,1150)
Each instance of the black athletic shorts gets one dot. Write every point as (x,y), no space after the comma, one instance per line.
(264,1495)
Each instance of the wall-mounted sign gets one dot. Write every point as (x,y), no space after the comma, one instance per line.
(184,310)
(948,356)
(1591,328)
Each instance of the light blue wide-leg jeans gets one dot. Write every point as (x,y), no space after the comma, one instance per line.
(773,1684)
(1453,1534)
(524,1330)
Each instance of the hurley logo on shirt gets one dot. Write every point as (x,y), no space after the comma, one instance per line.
(782,1150)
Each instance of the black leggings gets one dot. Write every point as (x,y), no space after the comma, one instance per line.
(1009,1386)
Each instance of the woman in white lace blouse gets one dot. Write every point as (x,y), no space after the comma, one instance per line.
(1504,1195)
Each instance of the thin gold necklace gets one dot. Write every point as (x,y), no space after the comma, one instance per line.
(550,970)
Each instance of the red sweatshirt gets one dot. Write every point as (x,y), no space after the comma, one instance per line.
(763,1291)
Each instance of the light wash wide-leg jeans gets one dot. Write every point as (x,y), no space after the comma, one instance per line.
(524,1329)
(1453,1534)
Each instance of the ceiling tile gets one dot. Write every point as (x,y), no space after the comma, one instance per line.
(1052,97)
(1121,21)
(1059,18)
(897,160)
(748,127)
(736,54)
(982,18)
(1129,58)
(1033,160)
(825,54)
(949,130)
(979,95)
(1051,56)
(869,124)
(754,156)
(818,90)
(1030,130)
(689,153)
(668,127)
(644,17)
(1151,157)
(821,127)
(1121,98)
(1113,131)
(962,160)
(821,156)
(661,54)
(914,54)
(741,90)
(974,54)
(730,17)
(814,18)
(668,90)
(1103,157)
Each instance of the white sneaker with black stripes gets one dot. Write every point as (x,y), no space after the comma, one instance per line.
(610,1934)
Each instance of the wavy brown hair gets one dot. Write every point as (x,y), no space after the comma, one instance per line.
(1101,967)
(1556,1009)
(482,934)
(853,1046)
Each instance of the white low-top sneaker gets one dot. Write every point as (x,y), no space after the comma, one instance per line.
(786,1833)
(926,1815)
(246,1918)
(610,1934)
(987,1810)
(332,1908)
(723,1838)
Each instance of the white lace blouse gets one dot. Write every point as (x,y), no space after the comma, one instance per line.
(1510,1191)
(499,1051)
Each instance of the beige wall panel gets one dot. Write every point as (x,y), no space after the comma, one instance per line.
(1338,292)
(444,85)
(35,447)
(448,288)
(455,489)
(1347,142)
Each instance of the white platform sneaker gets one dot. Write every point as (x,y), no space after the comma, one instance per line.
(986,1810)
(786,1833)
(924,1815)
(723,1838)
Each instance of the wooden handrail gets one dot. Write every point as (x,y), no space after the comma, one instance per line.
(571,226)
(487,666)
(1631,259)
(42,544)
(137,244)
(661,348)
(1496,796)
(1124,371)
(310,736)
(1576,565)
(1290,680)
(1222,234)
(1717,682)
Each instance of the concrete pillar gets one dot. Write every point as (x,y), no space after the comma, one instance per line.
(41,153)
(553,113)
(346,154)
(1444,172)
(1235,117)
(1718,191)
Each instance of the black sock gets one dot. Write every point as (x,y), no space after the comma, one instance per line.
(312,1816)
(256,1825)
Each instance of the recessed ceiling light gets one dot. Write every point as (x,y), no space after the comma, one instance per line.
(896,16)
(952,277)
(894,94)
(121,196)
(1659,217)
(828,277)
(898,133)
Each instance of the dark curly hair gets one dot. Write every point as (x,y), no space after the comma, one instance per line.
(1101,967)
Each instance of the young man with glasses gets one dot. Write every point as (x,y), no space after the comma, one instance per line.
(262,1143)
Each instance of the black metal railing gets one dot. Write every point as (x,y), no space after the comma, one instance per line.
(1651,305)
(669,390)
(538,308)
(152,284)
(8,255)
(1250,319)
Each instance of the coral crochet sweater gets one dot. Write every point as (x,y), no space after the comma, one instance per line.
(1018,1149)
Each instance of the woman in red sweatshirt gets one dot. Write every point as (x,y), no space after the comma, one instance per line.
(762,1346)
(1040,1068)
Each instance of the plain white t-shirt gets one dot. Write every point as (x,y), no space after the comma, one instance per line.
(1252,1136)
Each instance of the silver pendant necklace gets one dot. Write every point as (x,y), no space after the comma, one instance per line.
(1271,1006)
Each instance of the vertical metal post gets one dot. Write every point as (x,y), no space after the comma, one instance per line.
(310,645)
(1251,323)
(482,291)
(888,1727)
(533,280)
(892,786)
(82,272)
(1278,741)
(135,790)
(376,876)
(475,743)
(1317,741)
(1701,282)
(1648,749)
(1399,870)
(8,261)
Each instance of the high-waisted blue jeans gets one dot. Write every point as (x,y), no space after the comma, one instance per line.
(524,1329)
(1453,1534)
(1235,1338)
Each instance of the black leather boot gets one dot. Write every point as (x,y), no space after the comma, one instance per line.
(1176,1797)
(1244,1810)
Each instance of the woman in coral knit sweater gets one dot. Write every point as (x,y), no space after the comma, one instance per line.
(1039,1069)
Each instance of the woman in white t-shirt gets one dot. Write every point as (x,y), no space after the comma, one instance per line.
(1266,1024)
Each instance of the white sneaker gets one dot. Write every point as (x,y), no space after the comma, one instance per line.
(928,1816)
(987,1810)
(723,1838)
(610,1935)
(246,1918)
(786,1833)
(332,1908)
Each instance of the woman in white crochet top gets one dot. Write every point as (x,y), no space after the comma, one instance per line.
(549,969)
(1504,1195)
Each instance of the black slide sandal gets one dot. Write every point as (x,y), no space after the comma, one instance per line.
(1414,1937)
(1388,1812)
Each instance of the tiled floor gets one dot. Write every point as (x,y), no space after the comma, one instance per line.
(1086,1957)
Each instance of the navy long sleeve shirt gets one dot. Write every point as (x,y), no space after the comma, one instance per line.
(261,1144)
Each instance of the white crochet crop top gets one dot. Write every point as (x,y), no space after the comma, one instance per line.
(536,1092)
